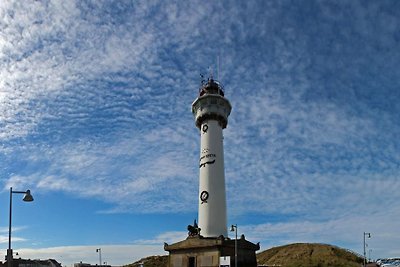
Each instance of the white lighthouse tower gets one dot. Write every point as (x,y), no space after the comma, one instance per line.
(208,243)
(211,110)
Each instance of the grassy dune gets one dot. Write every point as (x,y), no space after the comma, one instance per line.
(308,255)
(293,255)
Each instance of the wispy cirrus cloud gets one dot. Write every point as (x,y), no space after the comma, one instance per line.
(4,234)
(71,47)
(95,102)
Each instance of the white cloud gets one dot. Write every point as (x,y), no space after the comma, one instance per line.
(345,231)
(112,254)
(61,46)
(15,238)
(88,170)
(53,183)
(168,237)
(4,239)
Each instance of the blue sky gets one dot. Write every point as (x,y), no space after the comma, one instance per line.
(95,120)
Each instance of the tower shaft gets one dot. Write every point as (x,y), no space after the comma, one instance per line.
(212,204)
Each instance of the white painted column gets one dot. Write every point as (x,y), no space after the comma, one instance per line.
(212,202)
(211,110)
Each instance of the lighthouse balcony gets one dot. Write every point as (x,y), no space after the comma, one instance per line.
(211,107)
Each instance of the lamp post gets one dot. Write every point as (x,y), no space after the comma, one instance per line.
(99,251)
(368,235)
(234,229)
(369,255)
(27,198)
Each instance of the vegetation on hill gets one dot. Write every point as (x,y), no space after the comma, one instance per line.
(152,261)
(293,255)
(308,255)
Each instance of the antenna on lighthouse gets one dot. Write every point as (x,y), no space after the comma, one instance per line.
(211,73)
(218,67)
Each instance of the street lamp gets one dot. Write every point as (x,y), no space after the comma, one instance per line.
(368,235)
(27,198)
(99,251)
(234,229)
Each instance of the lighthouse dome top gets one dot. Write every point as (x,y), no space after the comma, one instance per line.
(211,87)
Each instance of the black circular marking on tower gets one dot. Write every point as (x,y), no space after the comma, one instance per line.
(205,128)
(204,196)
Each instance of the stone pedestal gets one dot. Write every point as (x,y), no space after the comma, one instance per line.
(200,251)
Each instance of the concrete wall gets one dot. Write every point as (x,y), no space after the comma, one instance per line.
(202,259)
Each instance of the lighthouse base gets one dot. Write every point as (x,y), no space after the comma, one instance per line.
(201,251)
